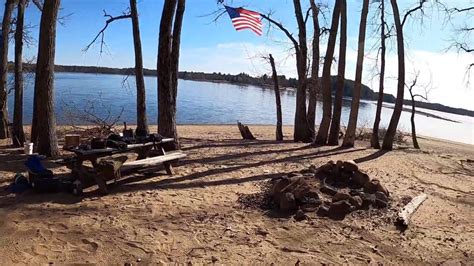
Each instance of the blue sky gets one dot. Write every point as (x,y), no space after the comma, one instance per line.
(217,47)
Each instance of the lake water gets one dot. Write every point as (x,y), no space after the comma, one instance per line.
(217,103)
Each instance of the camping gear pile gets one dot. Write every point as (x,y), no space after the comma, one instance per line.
(41,179)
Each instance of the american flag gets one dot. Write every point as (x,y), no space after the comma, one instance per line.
(245,19)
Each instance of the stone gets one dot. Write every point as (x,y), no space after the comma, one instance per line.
(383,189)
(371,187)
(380,203)
(309,207)
(356,201)
(280,184)
(323,210)
(338,210)
(287,202)
(328,167)
(327,189)
(350,166)
(300,216)
(261,231)
(341,196)
(356,192)
(381,200)
(360,178)
(313,169)
(367,200)
(345,177)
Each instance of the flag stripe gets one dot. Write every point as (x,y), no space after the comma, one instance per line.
(244,25)
(240,21)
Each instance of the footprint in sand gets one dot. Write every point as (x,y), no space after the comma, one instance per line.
(91,246)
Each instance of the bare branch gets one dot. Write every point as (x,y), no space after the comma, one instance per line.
(410,12)
(101,33)
(38,4)
(282,28)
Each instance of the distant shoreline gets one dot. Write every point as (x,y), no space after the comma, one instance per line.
(244,79)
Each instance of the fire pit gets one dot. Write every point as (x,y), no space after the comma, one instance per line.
(332,190)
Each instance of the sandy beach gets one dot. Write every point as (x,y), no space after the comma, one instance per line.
(195,216)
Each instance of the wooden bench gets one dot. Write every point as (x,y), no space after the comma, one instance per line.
(154,161)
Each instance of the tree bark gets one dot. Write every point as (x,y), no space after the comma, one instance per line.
(168,63)
(392,128)
(322,136)
(314,80)
(341,69)
(7,14)
(349,137)
(18,136)
(47,142)
(276,87)
(412,120)
(374,142)
(302,131)
(142,124)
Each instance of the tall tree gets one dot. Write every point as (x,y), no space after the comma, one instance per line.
(142,124)
(279,130)
(7,14)
(322,136)
(414,96)
(374,142)
(18,135)
(397,111)
(314,80)
(349,137)
(341,69)
(168,63)
(302,130)
(47,142)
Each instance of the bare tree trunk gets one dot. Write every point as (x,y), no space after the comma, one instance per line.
(336,116)
(276,87)
(412,119)
(18,136)
(44,81)
(7,14)
(349,137)
(302,131)
(392,128)
(168,60)
(314,80)
(142,124)
(374,142)
(322,136)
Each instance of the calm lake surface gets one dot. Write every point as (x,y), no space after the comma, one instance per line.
(216,103)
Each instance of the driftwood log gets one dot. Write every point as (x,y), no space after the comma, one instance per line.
(245,131)
(406,212)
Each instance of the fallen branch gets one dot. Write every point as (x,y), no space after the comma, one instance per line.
(406,212)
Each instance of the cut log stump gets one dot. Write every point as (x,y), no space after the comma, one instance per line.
(108,169)
(245,131)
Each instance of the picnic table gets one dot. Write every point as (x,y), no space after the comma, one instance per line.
(107,164)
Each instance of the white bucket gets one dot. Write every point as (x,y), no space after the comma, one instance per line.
(28,148)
